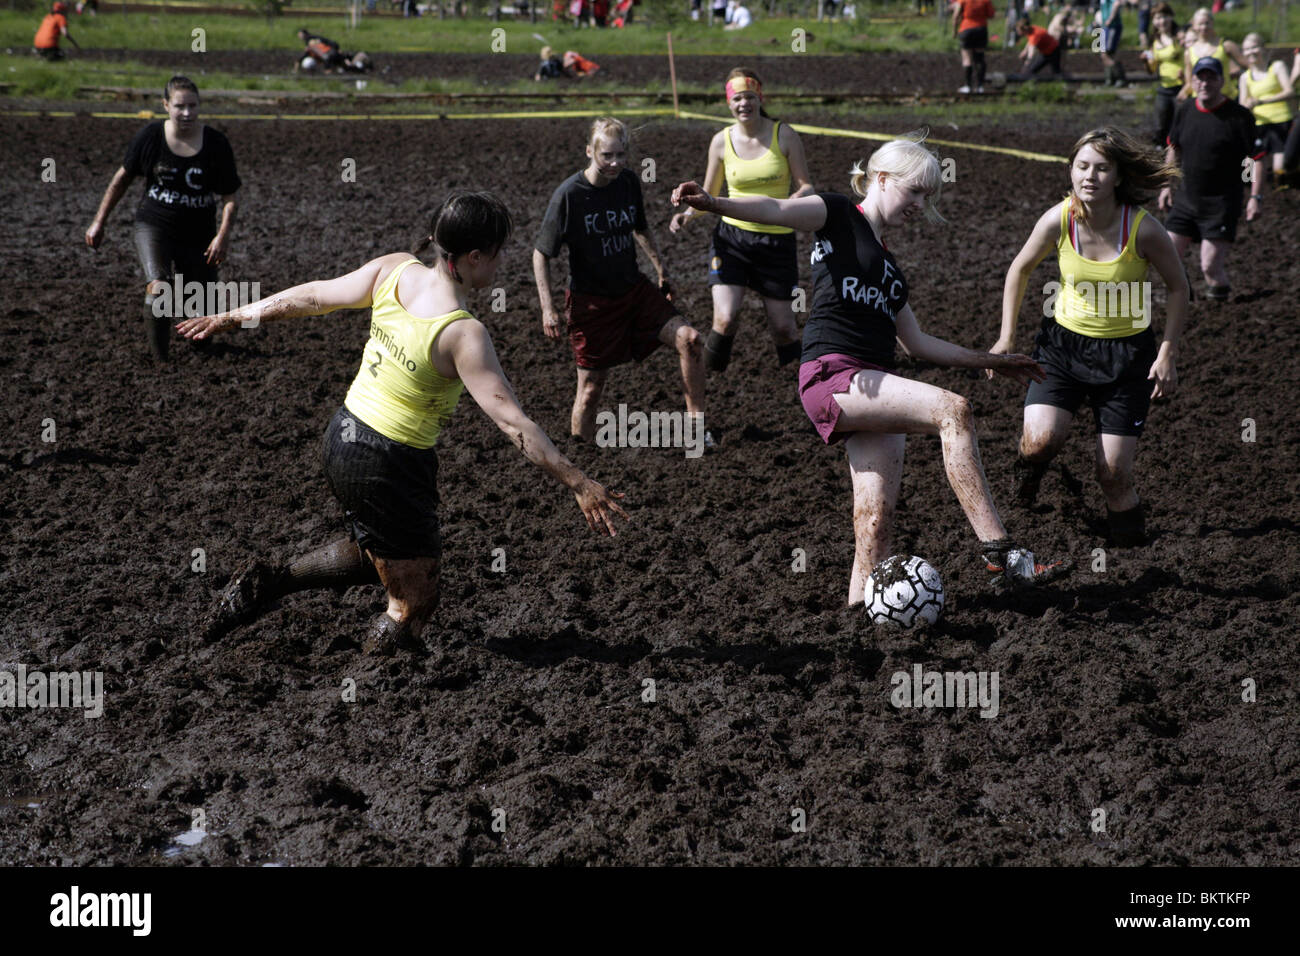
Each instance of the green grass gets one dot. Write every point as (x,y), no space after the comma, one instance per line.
(377,35)
(771,36)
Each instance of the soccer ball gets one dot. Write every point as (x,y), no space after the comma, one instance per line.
(905,591)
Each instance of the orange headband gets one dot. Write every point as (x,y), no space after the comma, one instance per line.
(744,84)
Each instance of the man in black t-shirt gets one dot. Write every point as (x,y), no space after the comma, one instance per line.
(614,314)
(1213,139)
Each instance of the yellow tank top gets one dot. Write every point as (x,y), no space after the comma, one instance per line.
(397,391)
(1279,112)
(769,175)
(1169,64)
(1229,84)
(1102,300)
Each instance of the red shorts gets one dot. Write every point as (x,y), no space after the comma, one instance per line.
(605,332)
(820,380)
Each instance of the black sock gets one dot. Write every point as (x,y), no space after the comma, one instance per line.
(1028,475)
(717,351)
(785,354)
(157,330)
(969,70)
(1128,529)
(979,68)
(340,565)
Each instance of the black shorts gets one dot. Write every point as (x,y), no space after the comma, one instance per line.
(976,38)
(163,254)
(1271,137)
(1204,217)
(388,490)
(766,262)
(1111,374)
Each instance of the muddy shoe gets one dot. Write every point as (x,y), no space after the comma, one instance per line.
(251,588)
(1218,293)
(386,637)
(1015,567)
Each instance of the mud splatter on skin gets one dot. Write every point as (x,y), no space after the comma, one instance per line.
(529,697)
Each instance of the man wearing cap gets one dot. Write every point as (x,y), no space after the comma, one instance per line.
(55,25)
(1213,139)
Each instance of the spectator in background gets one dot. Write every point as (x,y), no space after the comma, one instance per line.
(1112,31)
(1041,49)
(1290,177)
(738,16)
(970,19)
(577,66)
(318,52)
(1266,91)
(1165,59)
(1212,137)
(551,68)
(53,26)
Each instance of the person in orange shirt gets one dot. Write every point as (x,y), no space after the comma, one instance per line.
(1041,49)
(577,65)
(970,20)
(55,25)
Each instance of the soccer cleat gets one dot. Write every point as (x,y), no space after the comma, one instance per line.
(251,588)
(1217,293)
(1016,567)
(710,443)
(963,89)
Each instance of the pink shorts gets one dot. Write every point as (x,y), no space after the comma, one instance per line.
(819,381)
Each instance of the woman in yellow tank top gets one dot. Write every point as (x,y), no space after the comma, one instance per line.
(379,459)
(1096,342)
(1165,60)
(1205,41)
(758,157)
(1267,92)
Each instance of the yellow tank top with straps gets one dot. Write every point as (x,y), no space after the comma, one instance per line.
(1102,300)
(1278,112)
(1229,84)
(1169,64)
(769,175)
(397,391)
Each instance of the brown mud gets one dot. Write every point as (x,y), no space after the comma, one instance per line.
(1121,688)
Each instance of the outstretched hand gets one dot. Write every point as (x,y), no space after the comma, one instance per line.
(1022,368)
(599,506)
(206,326)
(693,195)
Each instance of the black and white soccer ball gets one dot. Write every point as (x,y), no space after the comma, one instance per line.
(904,590)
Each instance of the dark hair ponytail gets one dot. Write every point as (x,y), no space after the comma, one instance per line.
(467,221)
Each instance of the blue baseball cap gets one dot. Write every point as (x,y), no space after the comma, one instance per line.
(1208,63)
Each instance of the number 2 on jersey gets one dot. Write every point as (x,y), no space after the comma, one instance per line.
(374,366)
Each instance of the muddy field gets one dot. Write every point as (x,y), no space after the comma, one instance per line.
(878,73)
(1120,689)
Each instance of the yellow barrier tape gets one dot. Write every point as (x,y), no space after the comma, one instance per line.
(557,114)
(882,137)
